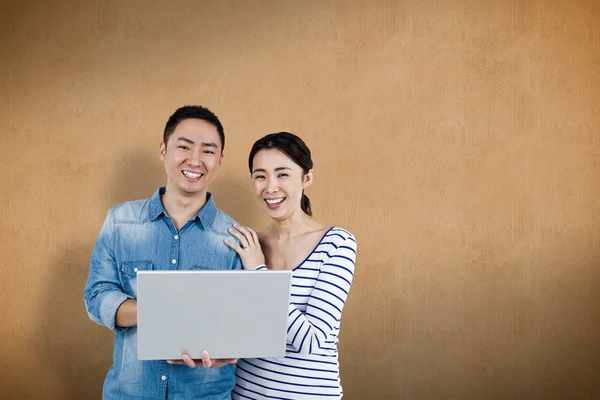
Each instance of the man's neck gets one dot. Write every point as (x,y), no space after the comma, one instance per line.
(181,207)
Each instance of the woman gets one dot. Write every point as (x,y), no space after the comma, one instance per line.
(322,260)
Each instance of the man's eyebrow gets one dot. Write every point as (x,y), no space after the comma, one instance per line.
(204,144)
(184,139)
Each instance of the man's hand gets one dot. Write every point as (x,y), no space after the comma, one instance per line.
(206,361)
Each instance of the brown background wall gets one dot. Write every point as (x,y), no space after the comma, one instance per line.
(458,140)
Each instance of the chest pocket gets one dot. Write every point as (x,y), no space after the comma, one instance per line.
(129,270)
(214,256)
(216,265)
(132,267)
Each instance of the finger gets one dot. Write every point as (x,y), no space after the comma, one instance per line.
(175,362)
(234,246)
(188,361)
(247,235)
(206,361)
(240,237)
(254,236)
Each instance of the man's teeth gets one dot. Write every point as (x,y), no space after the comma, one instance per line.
(275,201)
(192,175)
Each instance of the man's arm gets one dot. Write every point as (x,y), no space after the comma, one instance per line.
(126,314)
(103,294)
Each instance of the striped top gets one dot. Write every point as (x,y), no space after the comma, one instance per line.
(310,368)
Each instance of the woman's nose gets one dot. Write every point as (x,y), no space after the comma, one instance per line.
(272,186)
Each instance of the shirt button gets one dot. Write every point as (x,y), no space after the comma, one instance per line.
(173,261)
(163,377)
(135,269)
(176,237)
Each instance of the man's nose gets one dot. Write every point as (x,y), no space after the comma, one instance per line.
(195,158)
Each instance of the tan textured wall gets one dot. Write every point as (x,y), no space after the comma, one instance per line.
(458,140)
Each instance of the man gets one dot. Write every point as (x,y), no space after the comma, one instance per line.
(179,227)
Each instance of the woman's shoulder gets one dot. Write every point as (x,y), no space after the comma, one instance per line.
(344,244)
(340,234)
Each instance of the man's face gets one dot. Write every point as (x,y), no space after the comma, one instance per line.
(192,157)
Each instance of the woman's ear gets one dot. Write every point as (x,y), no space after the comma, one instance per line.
(308,179)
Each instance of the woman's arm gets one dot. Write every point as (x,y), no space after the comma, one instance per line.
(308,331)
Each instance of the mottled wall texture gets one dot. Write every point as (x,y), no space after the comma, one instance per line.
(458,140)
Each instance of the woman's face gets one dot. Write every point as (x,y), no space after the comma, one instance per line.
(278,183)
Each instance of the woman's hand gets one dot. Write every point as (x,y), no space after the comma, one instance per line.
(249,247)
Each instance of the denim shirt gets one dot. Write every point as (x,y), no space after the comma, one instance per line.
(139,235)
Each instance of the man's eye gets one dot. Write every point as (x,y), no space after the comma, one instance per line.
(259,177)
(184,147)
(283,175)
(209,152)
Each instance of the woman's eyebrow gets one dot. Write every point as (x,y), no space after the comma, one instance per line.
(276,169)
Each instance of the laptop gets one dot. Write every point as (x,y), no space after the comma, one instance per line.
(230,314)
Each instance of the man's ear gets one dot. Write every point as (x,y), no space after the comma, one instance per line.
(221,158)
(308,179)
(162,151)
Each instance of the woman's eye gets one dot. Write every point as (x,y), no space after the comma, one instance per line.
(259,177)
(208,152)
(283,175)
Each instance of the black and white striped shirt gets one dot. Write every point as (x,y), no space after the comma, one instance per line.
(310,368)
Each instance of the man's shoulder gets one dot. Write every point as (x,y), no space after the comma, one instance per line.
(222,222)
(134,211)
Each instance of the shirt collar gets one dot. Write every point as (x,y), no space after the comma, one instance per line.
(206,215)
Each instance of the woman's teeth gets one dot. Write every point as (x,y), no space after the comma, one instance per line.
(274,201)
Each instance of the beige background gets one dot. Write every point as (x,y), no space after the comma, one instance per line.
(458,140)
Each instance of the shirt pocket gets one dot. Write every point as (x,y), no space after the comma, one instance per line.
(216,266)
(129,270)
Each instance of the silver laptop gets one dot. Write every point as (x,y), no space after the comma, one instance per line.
(230,314)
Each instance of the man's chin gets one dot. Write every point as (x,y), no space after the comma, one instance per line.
(188,191)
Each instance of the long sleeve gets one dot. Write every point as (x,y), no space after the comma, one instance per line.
(309,330)
(103,293)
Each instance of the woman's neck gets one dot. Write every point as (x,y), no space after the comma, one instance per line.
(294,225)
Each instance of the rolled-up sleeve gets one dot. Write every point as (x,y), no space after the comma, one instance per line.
(103,294)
